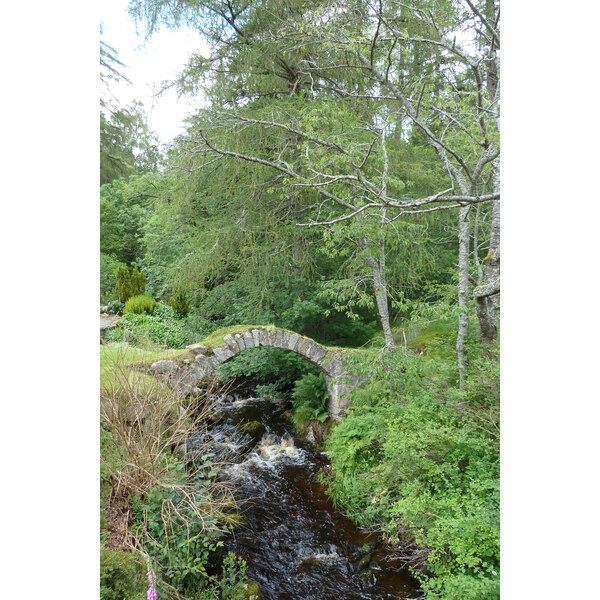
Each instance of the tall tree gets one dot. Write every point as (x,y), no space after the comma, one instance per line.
(127,146)
(276,67)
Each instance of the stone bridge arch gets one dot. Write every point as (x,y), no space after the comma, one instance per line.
(330,361)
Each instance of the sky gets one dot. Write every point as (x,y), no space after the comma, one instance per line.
(150,63)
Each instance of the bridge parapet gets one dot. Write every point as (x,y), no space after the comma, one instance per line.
(330,361)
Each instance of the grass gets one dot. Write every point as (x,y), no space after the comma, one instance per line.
(118,361)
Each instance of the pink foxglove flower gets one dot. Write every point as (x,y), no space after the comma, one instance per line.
(151,590)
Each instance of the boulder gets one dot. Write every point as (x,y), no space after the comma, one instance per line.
(136,413)
(198,349)
(364,562)
(163,367)
(251,590)
(254,429)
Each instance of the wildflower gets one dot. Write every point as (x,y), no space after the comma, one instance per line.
(151,590)
(151,579)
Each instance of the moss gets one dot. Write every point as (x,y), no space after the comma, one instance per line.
(251,590)
(422,343)
(122,575)
(215,339)
(254,429)
(436,339)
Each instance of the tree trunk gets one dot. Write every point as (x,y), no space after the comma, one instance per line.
(476,246)
(464,230)
(487,296)
(378,266)
(381,294)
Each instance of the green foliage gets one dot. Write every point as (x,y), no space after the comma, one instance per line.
(274,366)
(148,330)
(122,575)
(125,205)
(309,398)
(267,390)
(108,280)
(234,575)
(163,327)
(420,459)
(140,305)
(122,291)
(180,302)
(178,541)
(138,282)
(416,456)
(232,585)
(114,307)
(127,146)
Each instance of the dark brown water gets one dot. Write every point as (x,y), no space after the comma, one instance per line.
(296,545)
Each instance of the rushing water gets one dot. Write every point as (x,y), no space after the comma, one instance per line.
(296,545)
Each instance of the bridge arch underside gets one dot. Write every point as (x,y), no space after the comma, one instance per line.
(328,360)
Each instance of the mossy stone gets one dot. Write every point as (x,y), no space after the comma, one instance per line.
(254,429)
(252,591)
(364,562)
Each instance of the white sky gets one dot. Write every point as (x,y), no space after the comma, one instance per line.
(150,63)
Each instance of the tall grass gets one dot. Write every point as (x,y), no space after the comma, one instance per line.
(143,423)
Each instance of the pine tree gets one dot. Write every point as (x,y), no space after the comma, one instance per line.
(138,282)
(123,289)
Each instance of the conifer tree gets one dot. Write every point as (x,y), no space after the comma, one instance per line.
(123,289)
(138,282)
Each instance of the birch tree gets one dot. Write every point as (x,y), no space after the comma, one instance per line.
(431,67)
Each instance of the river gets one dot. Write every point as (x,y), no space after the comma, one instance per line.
(296,545)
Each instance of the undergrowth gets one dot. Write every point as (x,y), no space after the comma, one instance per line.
(178,510)
(419,459)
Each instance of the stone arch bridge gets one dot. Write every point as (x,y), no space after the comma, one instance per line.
(330,361)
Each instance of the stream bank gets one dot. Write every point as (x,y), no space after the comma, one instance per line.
(295,543)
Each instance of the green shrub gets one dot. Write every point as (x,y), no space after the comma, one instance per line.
(232,585)
(138,282)
(164,311)
(234,575)
(419,459)
(178,541)
(267,390)
(140,305)
(148,330)
(122,575)
(309,398)
(198,326)
(114,307)
(180,302)
(123,289)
